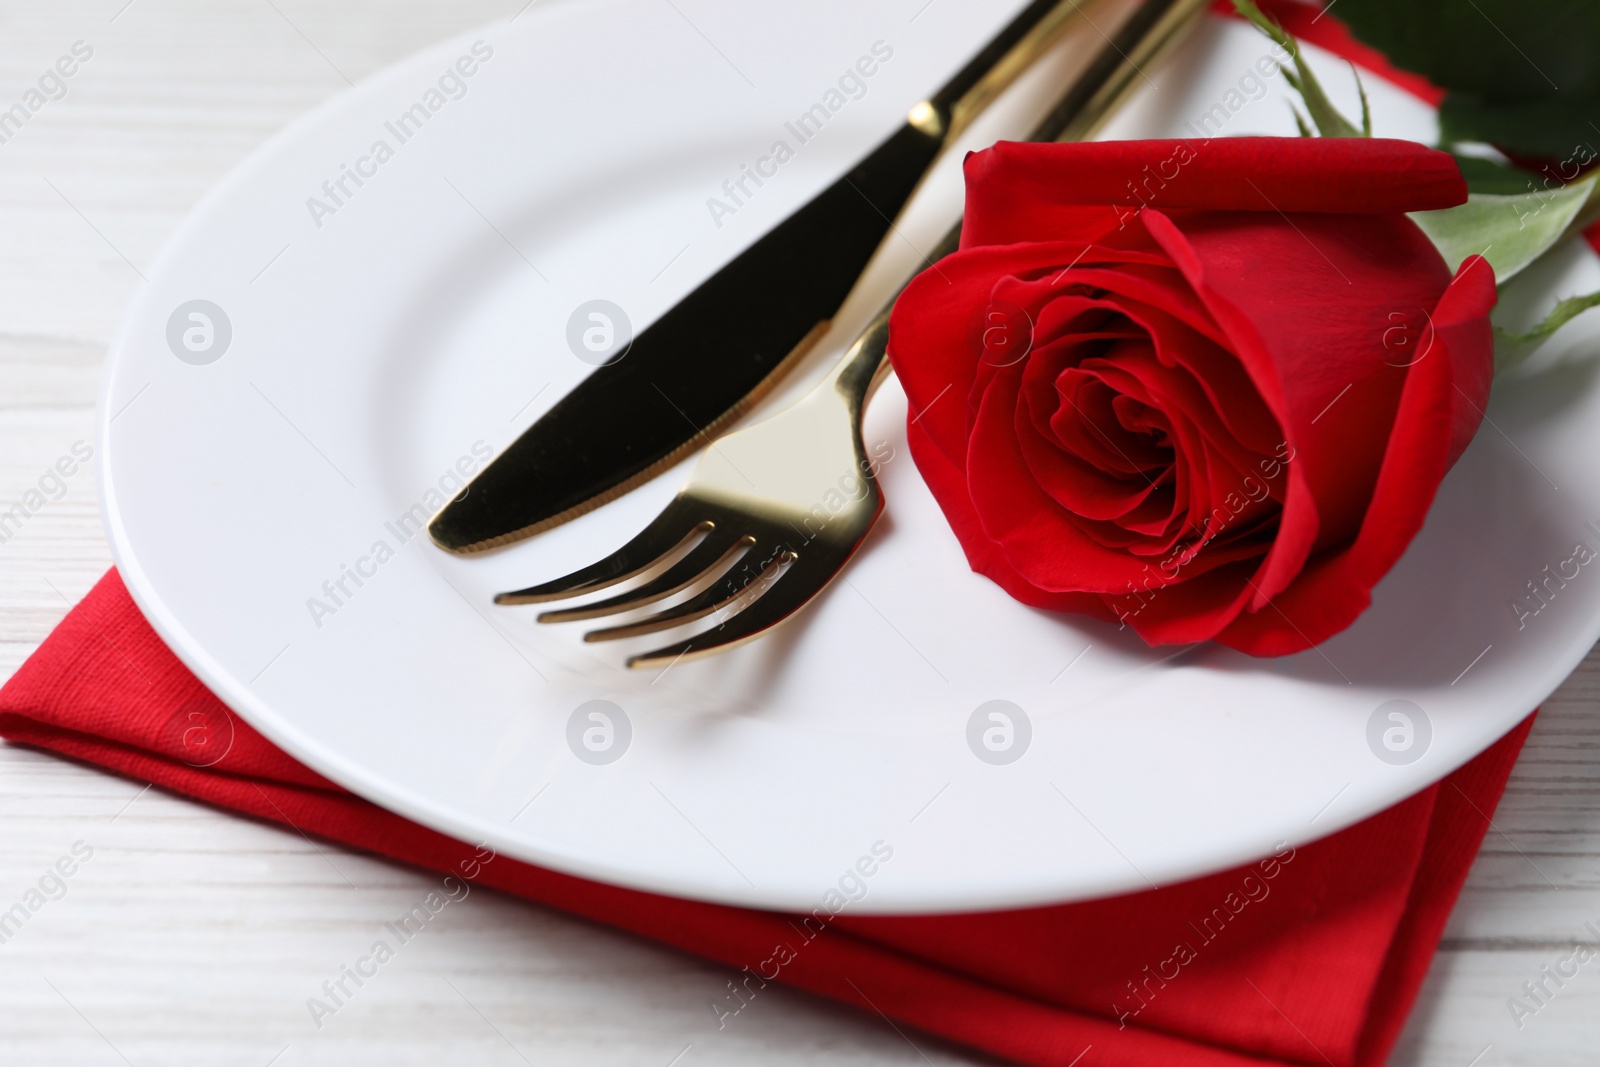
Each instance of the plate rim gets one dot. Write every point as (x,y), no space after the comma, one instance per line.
(239,698)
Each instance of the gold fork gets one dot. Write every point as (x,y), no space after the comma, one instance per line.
(774,511)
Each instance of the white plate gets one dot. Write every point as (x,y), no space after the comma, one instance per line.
(423,324)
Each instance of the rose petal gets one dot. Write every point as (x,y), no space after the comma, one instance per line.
(1430,423)
(1303,354)
(1086,191)
(948,484)
(1039,537)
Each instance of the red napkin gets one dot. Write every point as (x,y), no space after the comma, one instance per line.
(1312,956)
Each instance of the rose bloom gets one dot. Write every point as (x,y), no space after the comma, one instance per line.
(1207,389)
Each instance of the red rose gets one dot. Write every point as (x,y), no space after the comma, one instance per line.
(1206,388)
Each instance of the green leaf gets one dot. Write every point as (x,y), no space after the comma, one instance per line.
(1509,231)
(1366,108)
(1507,219)
(1511,349)
(1553,127)
(1487,176)
(1521,74)
(1490,49)
(1327,118)
(1300,122)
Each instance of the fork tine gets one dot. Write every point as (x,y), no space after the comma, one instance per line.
(722,592)
(710,554)
(669,531)
(787,596)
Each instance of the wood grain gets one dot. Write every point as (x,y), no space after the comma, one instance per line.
(194,937)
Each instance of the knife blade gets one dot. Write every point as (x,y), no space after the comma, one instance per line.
(719,350)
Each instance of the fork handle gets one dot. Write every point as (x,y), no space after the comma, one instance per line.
(1146,36)
(866,364)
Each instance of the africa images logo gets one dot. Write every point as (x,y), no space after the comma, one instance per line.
(999,732)
(199,332)
(599,732)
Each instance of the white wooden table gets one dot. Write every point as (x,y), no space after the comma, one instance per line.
(195,937)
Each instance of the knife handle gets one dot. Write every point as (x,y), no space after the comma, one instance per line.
(1143,40)
(1147,37)
(1013,50)
(866,365)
